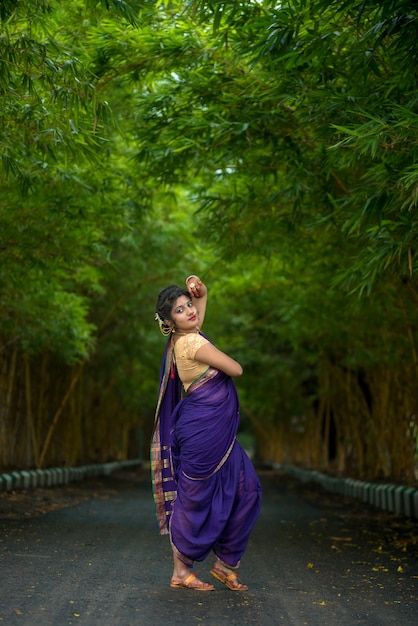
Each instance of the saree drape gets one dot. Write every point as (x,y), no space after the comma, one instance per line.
(163,483)
(208,485)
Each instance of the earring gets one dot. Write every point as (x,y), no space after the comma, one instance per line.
(164,328)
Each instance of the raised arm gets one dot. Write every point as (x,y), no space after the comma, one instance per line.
(208,353)
(199,295)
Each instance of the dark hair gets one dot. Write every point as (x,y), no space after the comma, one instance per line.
(167,298)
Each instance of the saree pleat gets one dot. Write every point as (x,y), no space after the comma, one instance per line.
(217,494)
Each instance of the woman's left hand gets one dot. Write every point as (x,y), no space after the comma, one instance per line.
(195,287)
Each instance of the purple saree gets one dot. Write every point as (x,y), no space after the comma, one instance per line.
(206,490)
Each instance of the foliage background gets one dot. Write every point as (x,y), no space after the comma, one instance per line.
(270,147)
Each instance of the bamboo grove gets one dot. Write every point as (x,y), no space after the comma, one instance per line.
(270,147)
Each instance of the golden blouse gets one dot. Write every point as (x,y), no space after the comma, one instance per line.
(185,349)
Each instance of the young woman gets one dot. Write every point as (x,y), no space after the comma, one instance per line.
(206,491)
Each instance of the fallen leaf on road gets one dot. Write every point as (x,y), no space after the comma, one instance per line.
(341,538)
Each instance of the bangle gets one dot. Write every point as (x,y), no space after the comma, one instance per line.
(191,276)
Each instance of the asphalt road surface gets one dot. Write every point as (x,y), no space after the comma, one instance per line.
(90,554)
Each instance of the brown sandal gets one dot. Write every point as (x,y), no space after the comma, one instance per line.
(187,583)
(230,580)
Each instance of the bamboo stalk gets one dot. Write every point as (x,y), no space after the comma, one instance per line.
(410,334)
(33,438)
(43,382)
(12,373)
(74,379)
(6,451)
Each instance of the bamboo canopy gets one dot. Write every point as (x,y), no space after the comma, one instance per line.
(270,147)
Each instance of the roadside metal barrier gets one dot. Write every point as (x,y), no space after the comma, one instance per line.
(398,499)
(26,479)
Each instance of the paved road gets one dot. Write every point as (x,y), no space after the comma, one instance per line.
(314,558)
